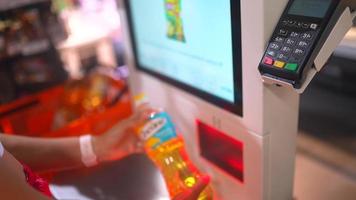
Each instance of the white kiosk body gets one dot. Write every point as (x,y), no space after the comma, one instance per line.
(267,125)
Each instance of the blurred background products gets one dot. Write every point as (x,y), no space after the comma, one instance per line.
(94,93)
(29,61)
(51,75)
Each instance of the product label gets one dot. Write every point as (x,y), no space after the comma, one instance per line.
(152,127)
(158,130)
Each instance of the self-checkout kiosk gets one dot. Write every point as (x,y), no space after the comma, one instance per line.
(232,90)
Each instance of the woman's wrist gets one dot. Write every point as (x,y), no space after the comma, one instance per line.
(88,156)
(99,148)
(117,142)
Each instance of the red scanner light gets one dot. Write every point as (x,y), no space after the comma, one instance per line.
(221,150)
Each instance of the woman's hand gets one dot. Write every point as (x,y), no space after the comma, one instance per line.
(121,140)
(194,192)
(43,154)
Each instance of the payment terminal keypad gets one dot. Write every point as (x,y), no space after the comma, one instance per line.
(302,30)
(289,45)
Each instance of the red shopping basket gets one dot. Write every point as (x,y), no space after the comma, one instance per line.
(33,116)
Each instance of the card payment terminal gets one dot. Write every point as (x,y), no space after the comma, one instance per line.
(303,40)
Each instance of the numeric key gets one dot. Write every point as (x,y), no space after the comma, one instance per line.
(279,39)
(282,56)
(307,36)
(303,44)
(286,49)
(298,52)
(282,32)
(275,46)
(294,34)
(290,42)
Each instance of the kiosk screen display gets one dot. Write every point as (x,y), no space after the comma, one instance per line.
(191,44)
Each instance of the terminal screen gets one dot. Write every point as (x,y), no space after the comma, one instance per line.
(189,42)
(310,8)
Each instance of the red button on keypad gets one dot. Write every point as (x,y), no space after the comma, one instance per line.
(268,61)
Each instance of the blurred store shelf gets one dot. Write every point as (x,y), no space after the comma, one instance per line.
(12,4)
(90,35)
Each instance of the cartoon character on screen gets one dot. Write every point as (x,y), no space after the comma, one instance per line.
(174,21)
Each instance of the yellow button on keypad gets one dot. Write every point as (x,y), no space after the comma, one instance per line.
(279,64)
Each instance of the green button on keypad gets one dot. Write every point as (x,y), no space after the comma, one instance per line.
(291,66)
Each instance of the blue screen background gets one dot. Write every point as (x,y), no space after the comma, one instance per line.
(204,61)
